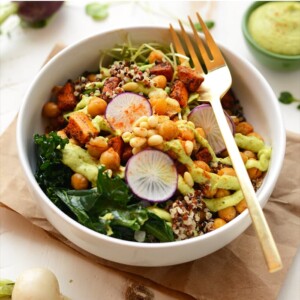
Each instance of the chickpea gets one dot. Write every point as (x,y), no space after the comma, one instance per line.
(254,173)
(243,128)
(218,222)
(97,106)
(208,192)
(203,165)
(168,130)
(155,55)
(227,214)
(57,122)
(96,146)
(241,206)
(244,157)
(227,171)
(250,154)
(50,110)
(79,182)
(56,89)
(159,105)
(187,134)
(110,159)
(92,77)
(160,81)
(257,135)
(222,193)
(62,134)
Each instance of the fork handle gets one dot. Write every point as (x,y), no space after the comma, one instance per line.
(266,240)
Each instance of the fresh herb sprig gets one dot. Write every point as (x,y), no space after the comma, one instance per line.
(287,98)
(209,24)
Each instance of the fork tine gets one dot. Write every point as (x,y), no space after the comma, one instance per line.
(177,44)
(191,49)
(199,42)
(217,56)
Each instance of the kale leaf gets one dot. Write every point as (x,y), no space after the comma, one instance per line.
(51,172)
(158,228)
(113,188)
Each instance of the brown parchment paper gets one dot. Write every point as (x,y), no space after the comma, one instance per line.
(234,272)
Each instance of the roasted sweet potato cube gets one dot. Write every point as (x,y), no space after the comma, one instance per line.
(81,128)
(191,78)
(66,100)
(180,93)
(204,155)
(117,144)
(163,68)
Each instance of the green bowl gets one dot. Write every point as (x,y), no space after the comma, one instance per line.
(272,60)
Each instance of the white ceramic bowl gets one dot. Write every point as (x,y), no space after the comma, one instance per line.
(260,107)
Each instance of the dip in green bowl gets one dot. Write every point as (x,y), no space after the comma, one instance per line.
(272,33)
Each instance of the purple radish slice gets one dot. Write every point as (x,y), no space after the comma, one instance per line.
(123,110)
(151,175)
(203,116)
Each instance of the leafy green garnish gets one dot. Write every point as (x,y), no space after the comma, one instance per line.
(6,287)
(97,11)
(287,98)
(51,172)
(209,24)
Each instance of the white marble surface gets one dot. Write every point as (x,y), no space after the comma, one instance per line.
(23,52)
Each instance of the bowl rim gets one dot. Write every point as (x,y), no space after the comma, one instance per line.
(24,159)
(254,44)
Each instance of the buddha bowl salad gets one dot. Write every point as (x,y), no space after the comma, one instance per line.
(132,150)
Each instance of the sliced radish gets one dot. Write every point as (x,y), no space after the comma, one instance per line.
(125,109)
(151,175)
(203,116)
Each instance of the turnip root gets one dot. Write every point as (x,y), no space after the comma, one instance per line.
(37,284)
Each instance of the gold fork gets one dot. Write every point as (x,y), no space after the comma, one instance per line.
(218,80)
